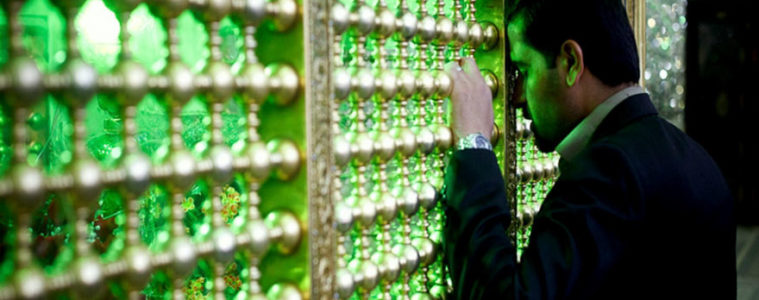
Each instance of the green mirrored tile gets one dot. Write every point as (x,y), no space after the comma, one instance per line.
(159,287)
(6,136)
(347,180)
(51,131)
(430,111)
(197,211)
(235,126)
(236,277)
(431,6)
(107,230)
(4,36)
(466,10)
(449,54)
(370,114)
(392,53)
(116,290)
(234,201)
(8,240)
(152,128)
(193,41)
(199,285)
(372,49)
(449,9)
(232,44)
(98,35)
(147,39)
(104,125)
(394,6)
(195,123)
(371,174)
(393,171)
(52,245)
(412,109)
(431,55)
(154,214)
(372,3)
(347,111)
(349,48)
(414,7)
(44,37)
(349,4)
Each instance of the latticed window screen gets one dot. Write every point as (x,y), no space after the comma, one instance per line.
(235,149)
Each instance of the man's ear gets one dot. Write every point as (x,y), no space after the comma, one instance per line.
(571,61)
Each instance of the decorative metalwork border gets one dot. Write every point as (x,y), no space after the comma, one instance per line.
(636,12)
(322,246)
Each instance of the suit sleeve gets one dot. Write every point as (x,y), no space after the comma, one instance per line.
(576,238)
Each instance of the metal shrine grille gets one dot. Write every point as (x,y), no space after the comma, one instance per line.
(134,156)
(242,149)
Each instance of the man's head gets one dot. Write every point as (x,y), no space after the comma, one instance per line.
(571,55)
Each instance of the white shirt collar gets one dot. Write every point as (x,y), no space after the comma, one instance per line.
(576,140)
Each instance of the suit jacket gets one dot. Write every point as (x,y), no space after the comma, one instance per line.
(642,212)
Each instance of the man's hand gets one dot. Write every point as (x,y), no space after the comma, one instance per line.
(471,100)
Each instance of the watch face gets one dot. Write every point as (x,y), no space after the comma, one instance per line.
(481,142)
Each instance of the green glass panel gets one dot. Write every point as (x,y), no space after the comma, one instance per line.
(4,35)
(159,287)
(349,4)
(412,108)
(51,239)
(104,125)
(154,213)
(392,53)
(50,134)
(349,48)
(449,9)
(8,239)
(347,113)
(370,114)
(193,41)
(199,285)
(147,39)
(195,122)
(431,6)
(107,230)
(372,3)
(414,7)
(152,127)
(414,55)
(232,44)
(197,211)
(236,276)
(394,6)
(6,136)
(466,10)
(98,35)
(234,200)
(44,34)
(372,51)
(116,290)
(234,129)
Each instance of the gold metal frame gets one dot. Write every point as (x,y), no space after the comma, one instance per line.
(320,156)
(636,12)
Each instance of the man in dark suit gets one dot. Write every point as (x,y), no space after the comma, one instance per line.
(639,210)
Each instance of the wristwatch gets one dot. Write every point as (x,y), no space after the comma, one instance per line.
(474,141)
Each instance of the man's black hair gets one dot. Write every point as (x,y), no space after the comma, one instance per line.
(600,27)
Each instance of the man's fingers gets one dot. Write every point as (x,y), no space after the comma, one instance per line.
(469,66)
(452,68)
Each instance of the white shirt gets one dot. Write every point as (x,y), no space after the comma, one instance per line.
(579,137)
